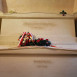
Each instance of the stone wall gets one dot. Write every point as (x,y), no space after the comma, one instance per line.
(75,6)
(47,6)
(0,5)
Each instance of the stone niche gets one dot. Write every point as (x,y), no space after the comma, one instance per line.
(47,6)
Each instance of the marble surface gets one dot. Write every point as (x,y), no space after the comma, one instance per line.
(38,62)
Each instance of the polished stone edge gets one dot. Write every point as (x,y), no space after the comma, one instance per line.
(35,47)
(35,16)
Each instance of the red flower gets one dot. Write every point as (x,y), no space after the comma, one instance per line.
(42,39)
(38,40)
(46,39)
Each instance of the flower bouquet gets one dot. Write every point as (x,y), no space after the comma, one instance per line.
(26,39)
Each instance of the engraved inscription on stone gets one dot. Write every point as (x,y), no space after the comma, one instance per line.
(42,63)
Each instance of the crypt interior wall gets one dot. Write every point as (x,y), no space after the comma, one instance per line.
(47,6)
(59,31)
